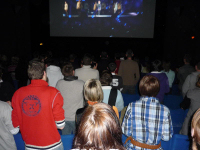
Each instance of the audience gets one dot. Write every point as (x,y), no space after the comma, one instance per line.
(7,141)
(38,112)
(117,61)
(111,96)
(170,74)
(72,91)
(53,71)
(103,63)
(99,129)
(185,70)
(117,81)
(163,80)
(93,94)
(190,81)
(146,121)
(195,130)
(86,72)
(193,95)
(129,71)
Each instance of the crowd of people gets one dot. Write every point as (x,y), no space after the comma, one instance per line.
(85,98)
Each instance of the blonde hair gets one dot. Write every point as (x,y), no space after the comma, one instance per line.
(195,125)
(93,91)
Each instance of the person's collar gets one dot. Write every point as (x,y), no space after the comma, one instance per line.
(91,103)
(152,99)
(113,73)
(70,78)
(106,87)
(156,72)
(39,82)
(86,66)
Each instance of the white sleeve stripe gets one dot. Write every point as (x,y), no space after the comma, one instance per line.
(54,99)
(14,131)
(60,125)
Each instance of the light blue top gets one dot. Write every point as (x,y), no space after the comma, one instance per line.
(119,102)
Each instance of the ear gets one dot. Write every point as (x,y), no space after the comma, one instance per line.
(73,72)
(192,132)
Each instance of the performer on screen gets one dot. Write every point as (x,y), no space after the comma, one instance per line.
(115,7)
(66,8)
(99,7)
(78,5)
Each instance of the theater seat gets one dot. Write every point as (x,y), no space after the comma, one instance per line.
(172,101)
(67,141)
(128,98)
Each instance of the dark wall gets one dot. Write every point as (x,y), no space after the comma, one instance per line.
(15,27)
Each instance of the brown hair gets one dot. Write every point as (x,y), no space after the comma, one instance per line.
(149,86)
(36,70)
(67,70)
(99,129)
(93,91)
(106,78)
(195,125)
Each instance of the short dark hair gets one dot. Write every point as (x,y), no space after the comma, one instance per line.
(112,66)
(106,78)
(67,70)
(198,65)
(99,129)
(149,86)
(187,58)
(87,59)
(36,70)
(129,53)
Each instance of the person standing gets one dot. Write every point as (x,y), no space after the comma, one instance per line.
(38,112)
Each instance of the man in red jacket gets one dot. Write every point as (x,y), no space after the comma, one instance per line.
(38,112)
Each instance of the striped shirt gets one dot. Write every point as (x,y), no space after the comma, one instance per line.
(147,121)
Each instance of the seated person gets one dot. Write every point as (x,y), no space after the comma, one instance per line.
(99,129)
(195,130)
(7,141)
(146,121)
(111,95)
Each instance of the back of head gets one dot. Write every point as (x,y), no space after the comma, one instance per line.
(68,69)
(149,86)
(187,58)
(93,91)
(52,61)
(195,125)
(156,65)
(198,65)
(36,70)
(104,54)
(99,129)
(87,59)
(112,67)
(166,65)
(129,53)
(106,78)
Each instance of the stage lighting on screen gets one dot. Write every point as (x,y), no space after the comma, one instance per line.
(91,18)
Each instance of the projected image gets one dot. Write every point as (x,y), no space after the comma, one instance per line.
(102,8)
(102,18)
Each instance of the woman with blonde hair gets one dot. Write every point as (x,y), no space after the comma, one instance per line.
(195,130)
(93,94)
(99,129)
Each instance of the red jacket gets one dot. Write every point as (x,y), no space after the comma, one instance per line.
(37,110)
